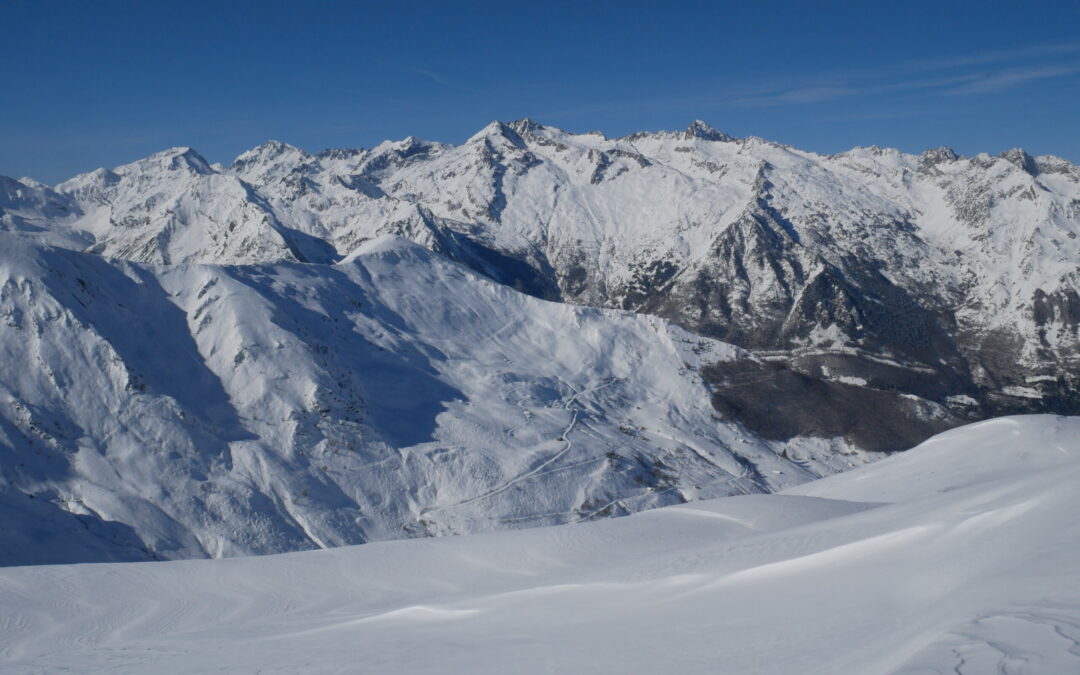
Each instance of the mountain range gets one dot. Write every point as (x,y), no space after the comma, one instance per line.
(532,327)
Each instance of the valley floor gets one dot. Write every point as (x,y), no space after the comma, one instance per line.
(962,555)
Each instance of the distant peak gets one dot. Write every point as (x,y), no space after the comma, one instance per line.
(500,129)
(267,152)
(340,153)
(31,183)
(1055,164)
(938,155)
(181,159)
(1019,158)
(525,125)
(707,132)
(411,146)
(278,147)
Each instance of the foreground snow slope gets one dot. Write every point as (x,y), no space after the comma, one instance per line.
(962,555)
(204,411)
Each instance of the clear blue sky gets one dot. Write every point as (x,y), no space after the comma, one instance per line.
(88,84)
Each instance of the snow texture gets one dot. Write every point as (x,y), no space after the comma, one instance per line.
(311,350)
(183,410)
(959,556)
(935,275)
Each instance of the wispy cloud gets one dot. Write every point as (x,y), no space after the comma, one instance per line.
(954,75)
(983,58)
(1014,77)
(820,94)
(891,114)
(440,80)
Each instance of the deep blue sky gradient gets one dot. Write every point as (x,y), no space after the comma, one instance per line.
(88,84)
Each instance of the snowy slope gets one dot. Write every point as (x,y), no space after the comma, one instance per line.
(912,565)
(190,410)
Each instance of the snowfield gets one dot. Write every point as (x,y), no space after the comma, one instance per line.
(959,556)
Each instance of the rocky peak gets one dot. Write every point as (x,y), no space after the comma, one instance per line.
(87,185)
(340,153)
(1050,164)
(173,160)
(706,132)
(1019,158)
(938,155)
(186,159)
(500,132)
(267,153)
(526,125)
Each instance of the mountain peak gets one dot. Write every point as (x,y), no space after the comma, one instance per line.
(525,125)
(500,130)
(275,148)
(1022,160)
(32,183)
(180,158)
(707,132)
(938,155)
(267,152)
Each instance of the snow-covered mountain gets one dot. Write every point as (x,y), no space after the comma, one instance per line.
(176,411)
(208,360)
(869,275)
(959,556)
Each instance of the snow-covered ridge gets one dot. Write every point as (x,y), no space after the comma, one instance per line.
(696,226)
(190,410)
(959,556)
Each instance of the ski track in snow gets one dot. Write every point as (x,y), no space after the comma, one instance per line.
(539,470)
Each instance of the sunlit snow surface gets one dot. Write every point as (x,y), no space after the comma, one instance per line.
(962,555)
(188,411)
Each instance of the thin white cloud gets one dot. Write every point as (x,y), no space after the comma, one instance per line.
(1014,77)
(823,94)
(439,79)
(955,76)
(801,95)
(984,58)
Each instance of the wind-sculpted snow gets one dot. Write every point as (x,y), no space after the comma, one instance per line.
(959,556)
(192,410)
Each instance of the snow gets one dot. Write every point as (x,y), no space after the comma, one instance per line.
(206,361)
(959,556)
(186,411)
(978,236)
(1021,392)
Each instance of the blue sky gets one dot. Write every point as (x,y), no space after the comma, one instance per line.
(88,84)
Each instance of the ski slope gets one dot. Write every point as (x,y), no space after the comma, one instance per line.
(959,556)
